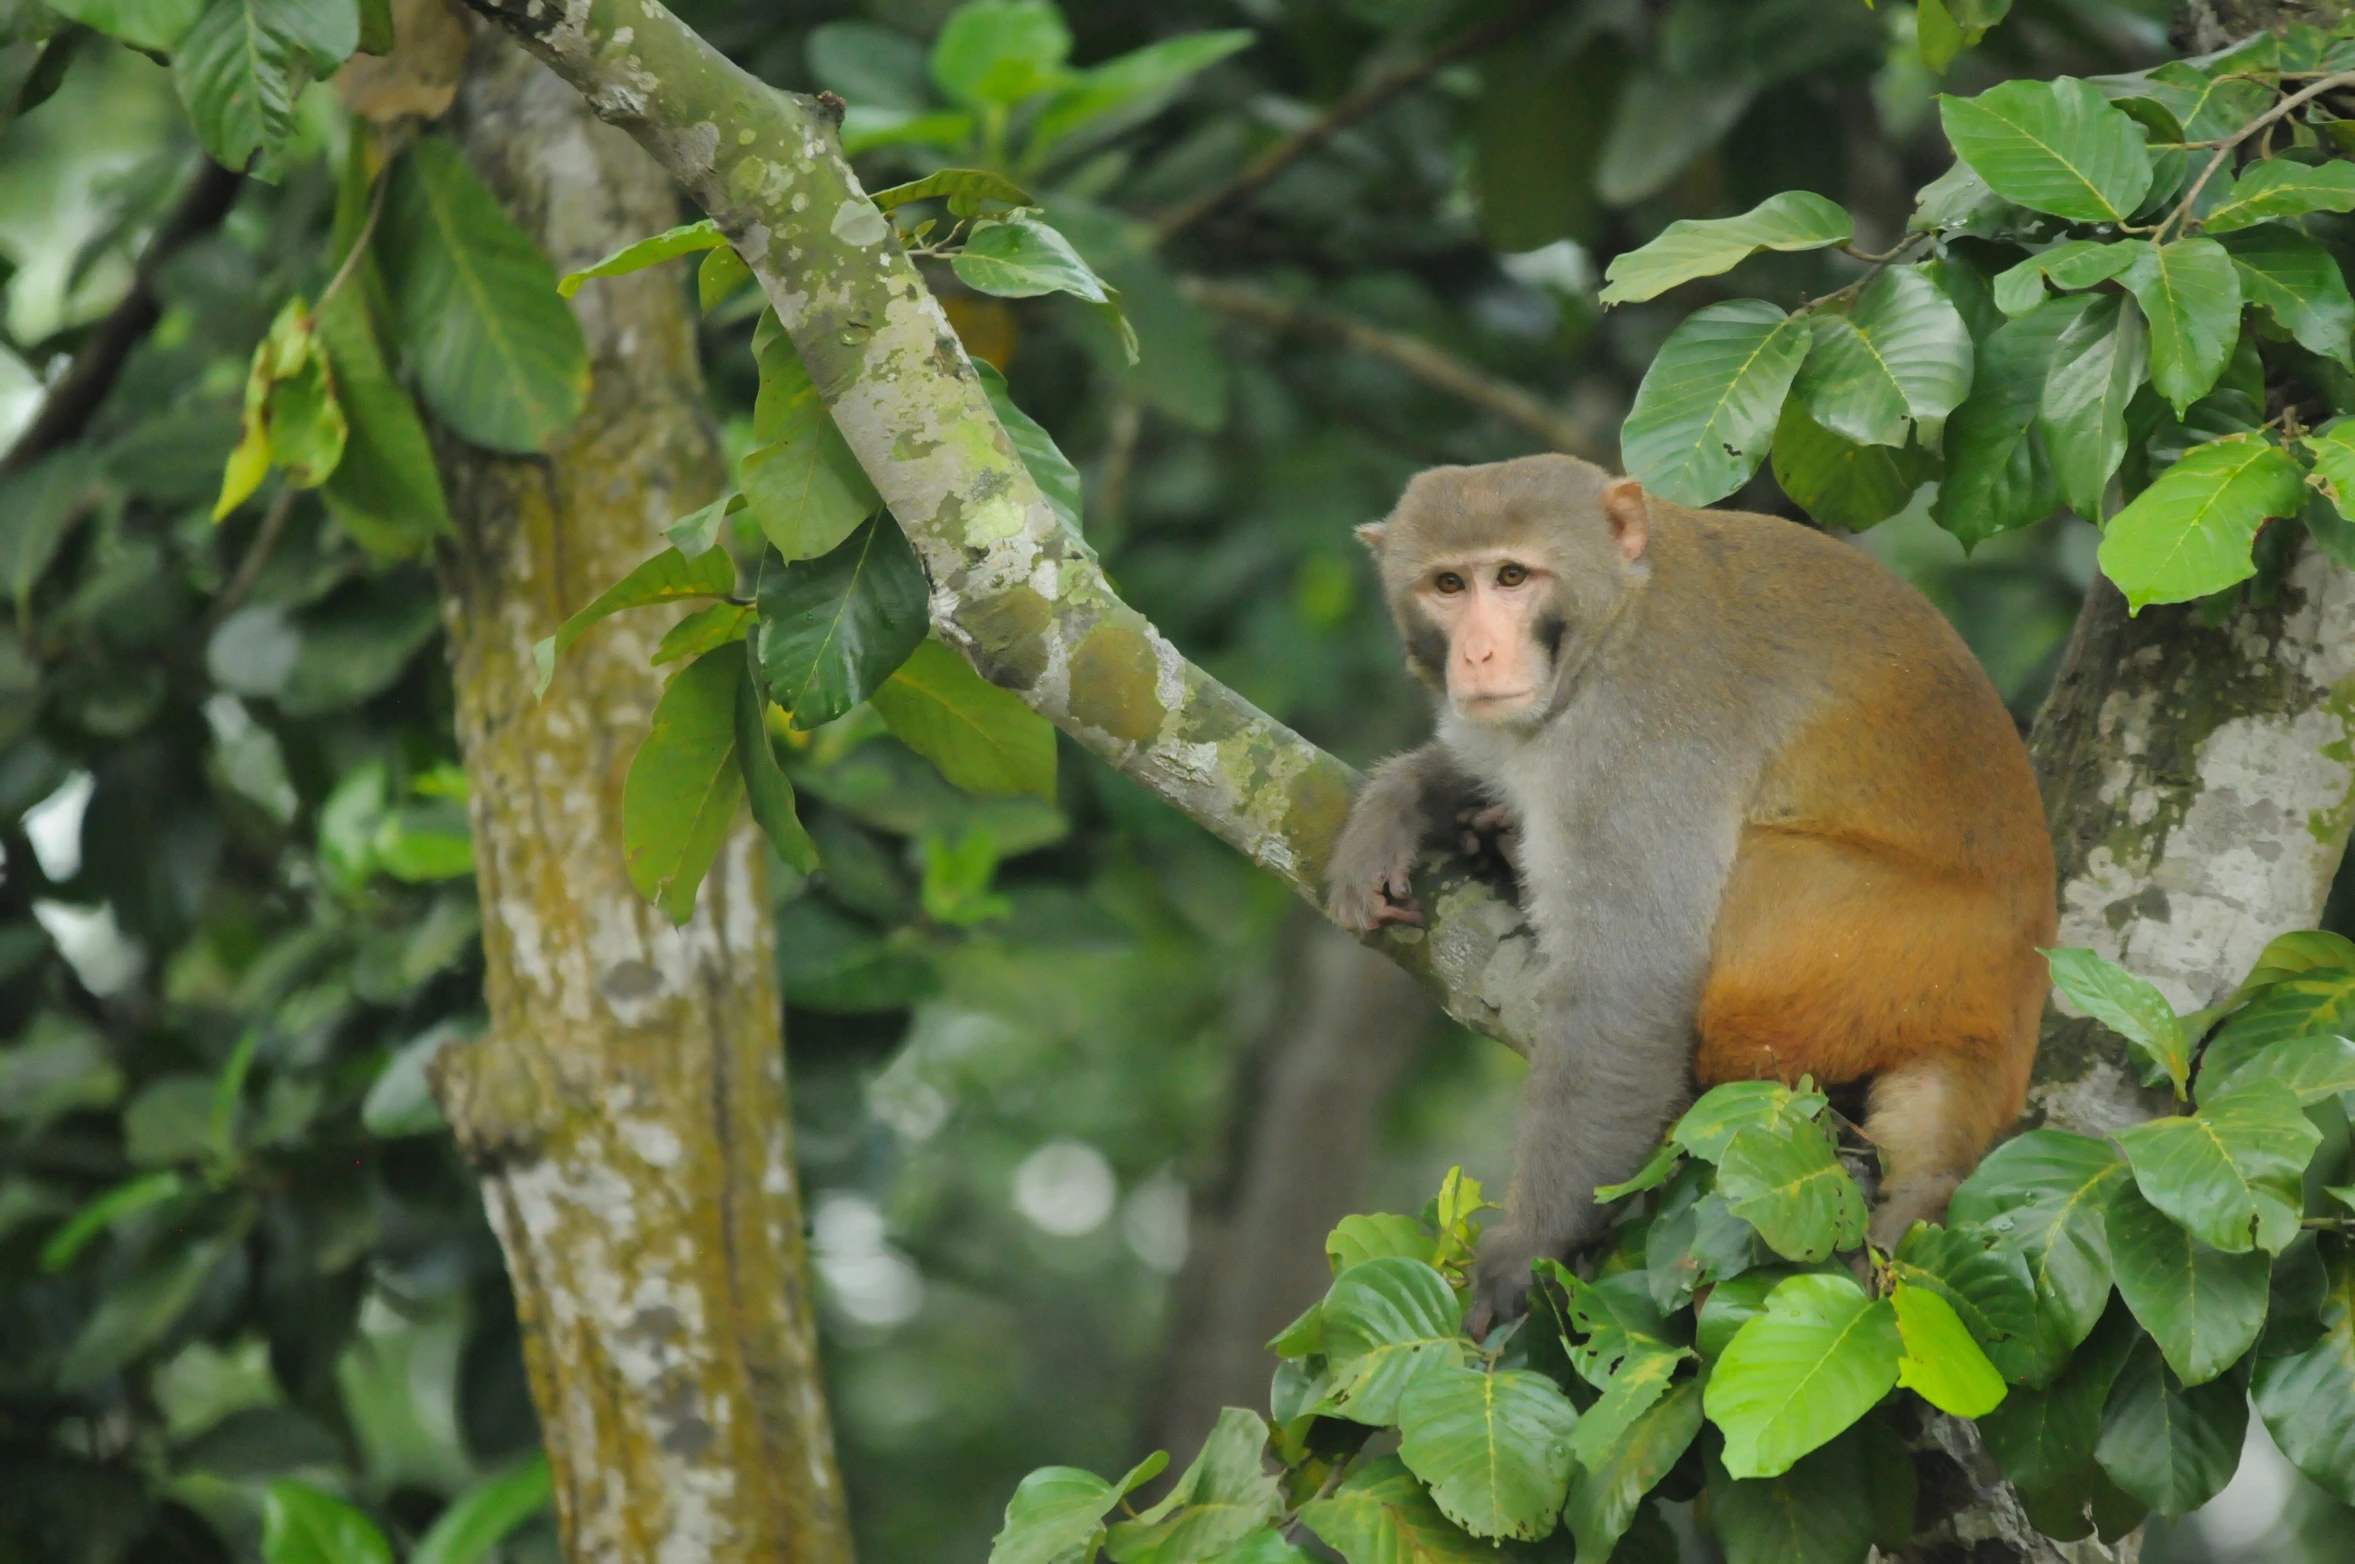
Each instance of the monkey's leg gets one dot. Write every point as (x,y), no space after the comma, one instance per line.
(1932,1120)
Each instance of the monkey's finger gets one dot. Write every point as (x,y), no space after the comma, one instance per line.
(1398,912)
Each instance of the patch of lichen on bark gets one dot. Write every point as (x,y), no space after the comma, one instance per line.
(2330,826)
(1115,684)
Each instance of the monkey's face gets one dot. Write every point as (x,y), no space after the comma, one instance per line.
(1499,626)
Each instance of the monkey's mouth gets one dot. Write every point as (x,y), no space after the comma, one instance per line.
(1498,702)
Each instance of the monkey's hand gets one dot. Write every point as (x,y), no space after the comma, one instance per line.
(1370,881)
(1495,829)
(1501,1280)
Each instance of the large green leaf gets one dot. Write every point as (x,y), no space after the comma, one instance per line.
(1706,411)
(1381,1515)
(156,26)
(387,490)
(479,1519)
(766,787)
(2314,1068)
(2191,532)
(498,355)
(1839,482)
(1998,476)
(1388,1323)
(2299,284)
(301,1525)
(2191,295)
(2174,1448)
(1787,1182)
(1988,1286)
(1607,1487)
(1817,1359)
(2055,146)
(2071,265)
(1057,1513)
(998,52)
(241,67)
(2307,1398)
(685,783)
(1019,256)
(2129,1006)
(834,628)
(1641,1379)
(981,737)
(2320,1000)
(2202,1306)
(1704,247)
(804,486)
(2044,1439)
(1216,1502)
(668,577)
(1821,1511)
(1710,1125)
(1942,1363)
(1494,1446)
(686,239)
(2045,1196)
(1898,354)
(1049,468)
(2278,187)
(1376,1235)
(2098,364)
(2230,1172)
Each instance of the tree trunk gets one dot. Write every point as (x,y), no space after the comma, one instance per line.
(627,1109)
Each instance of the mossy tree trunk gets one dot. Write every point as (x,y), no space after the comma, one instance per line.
(627,1109)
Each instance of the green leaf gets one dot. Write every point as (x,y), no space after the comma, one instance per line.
(1664,1160)
(1381,1515)
(1608,1486)
(1057,1513)
(998,52)
(2314,1068)
(1817,1359)
(2098,364)
(387,490)
(2191,532)
(2046,1195)
(1706,411)
(964,188)
(301,1525)
(687,239)
(1376,1236)
(1942,1363)
(765,784)
(2171,1447)
(2230,1172)
(479,1519)
(241,67)
(1900,353)
(805,488)
(2191,295)
(2319,1000)
(1494,1446)
(2206,103)
(2299,284)
(156,26)
(1788,1183)
(982,738)
(1641,1379)
(1614,1318)
(1219,1500)
(2127,1005)
(2044,1439)
(1704,247)
(2055,146)
(2202,1306)
(1723,1112)
(136,1313)
(1988,1286)
(128,1198)
(1264,1546)
(2307,1398)
(717,277)
(1127,88)
(685,783)
(1821,1511)
(1018,256)
(834,628)
(1049,468)
(498,355)
(668,577)
(702,630)
(1998,476)
(2071,264)
(2278,187)
(1388,1323)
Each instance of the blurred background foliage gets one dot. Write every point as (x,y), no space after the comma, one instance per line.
(1035,1049)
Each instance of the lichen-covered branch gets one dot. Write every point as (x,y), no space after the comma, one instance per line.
(1022,594)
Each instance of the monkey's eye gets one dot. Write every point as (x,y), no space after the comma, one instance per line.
(1511,575)
(1449,583)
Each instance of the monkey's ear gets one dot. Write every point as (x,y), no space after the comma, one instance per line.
(1371,534)
(1631,520)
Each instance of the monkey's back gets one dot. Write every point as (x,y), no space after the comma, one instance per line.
(1895,875)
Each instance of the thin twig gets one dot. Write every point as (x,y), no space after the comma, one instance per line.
(257,554)
(2182,213)
(351,257)
(1418,358)
(1350,109)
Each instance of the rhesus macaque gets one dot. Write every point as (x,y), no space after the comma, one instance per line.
(1772,821)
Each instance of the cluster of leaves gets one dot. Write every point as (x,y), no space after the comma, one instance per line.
(302,1525)
(2106,1310)
(2182,382)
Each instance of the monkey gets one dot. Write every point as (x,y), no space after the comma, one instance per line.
(1771,820)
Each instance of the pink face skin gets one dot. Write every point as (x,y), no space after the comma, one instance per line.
(1487,605)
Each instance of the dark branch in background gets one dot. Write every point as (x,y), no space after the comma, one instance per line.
(1410,353)
(1352,108)
(67,409)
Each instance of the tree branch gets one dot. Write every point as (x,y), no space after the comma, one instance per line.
(1431,365)
(69,404)
(1348,111)
(1021,594)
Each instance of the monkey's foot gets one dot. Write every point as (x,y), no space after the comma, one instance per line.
(1493,831)
(1362,903)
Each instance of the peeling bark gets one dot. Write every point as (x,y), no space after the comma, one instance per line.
(1018,591)
(628,1108)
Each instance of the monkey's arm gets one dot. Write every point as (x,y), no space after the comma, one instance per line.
(1411,799)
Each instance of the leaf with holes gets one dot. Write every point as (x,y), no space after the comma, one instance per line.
(1388,1323)
(1381,1515)
(1608,1486)
(2191,532)
(1494,1446)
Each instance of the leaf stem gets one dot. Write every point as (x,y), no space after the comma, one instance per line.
(2182,213)
(351,257)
